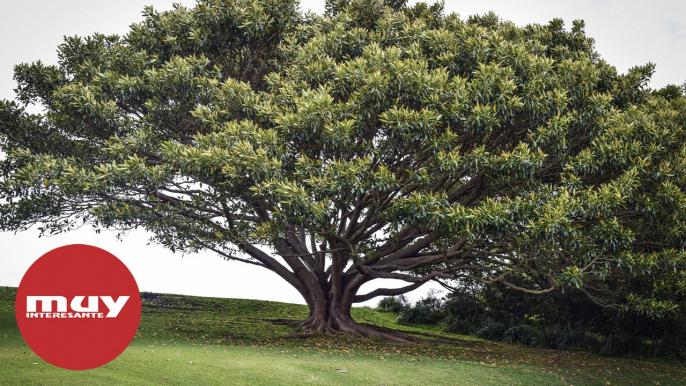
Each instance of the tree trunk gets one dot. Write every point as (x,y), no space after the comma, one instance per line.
(328,293)
(331,316)
(325,316)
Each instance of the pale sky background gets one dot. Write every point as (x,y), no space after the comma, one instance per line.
(627,33)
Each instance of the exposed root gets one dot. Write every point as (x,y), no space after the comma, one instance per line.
(346,325)
(343,324)
(307,328)
(286,322)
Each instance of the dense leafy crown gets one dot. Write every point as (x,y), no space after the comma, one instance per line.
(380,139)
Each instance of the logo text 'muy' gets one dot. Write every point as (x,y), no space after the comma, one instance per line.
(76,304)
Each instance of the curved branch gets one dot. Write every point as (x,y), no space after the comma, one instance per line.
(387,292)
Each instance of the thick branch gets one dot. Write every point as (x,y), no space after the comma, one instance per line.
(387,292)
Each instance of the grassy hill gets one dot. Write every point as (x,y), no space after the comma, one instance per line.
(194,340)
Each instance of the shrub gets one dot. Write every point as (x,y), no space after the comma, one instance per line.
(427,310)
(393,304)
(565,321)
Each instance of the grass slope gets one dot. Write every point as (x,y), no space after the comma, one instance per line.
(193,340)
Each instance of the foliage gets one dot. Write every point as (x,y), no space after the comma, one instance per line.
(379,141)
(565,321)
(427,310)
(393,303)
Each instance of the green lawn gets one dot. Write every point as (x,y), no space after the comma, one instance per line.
(192,340)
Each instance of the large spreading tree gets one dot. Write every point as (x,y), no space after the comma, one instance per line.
(377,141)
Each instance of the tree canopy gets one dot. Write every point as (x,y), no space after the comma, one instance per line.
(377,141)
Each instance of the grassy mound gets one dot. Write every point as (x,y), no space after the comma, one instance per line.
(194,340)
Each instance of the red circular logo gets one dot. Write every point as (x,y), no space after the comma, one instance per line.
(78,307)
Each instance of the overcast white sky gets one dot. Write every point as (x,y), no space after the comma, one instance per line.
(627,33)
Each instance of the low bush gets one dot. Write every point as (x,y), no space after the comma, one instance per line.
(393,304)
(565,321)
